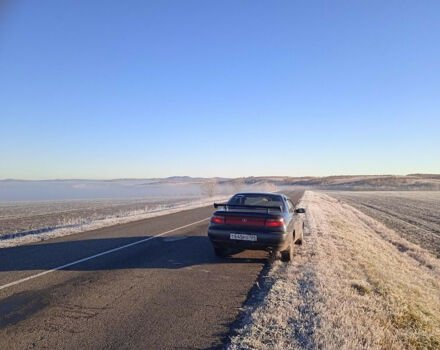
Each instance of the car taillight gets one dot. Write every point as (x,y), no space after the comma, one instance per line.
(218,219)
(275,222)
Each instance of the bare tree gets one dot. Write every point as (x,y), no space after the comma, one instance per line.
(209,187)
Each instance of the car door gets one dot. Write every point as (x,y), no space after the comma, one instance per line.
(291,213)
(297,222)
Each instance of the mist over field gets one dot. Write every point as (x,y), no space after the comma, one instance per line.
(17,190)
(37,210)
(185,186)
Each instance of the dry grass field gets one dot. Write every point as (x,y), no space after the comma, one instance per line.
(350,286)
(414,215)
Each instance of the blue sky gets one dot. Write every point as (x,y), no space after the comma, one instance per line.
(110,89)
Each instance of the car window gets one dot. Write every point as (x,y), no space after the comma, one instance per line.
(262,200)
(290,205)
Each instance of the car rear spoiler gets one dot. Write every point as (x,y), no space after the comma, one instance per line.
(242,206)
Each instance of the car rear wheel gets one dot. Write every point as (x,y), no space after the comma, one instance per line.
(299,240)
(287,255)
(221,252)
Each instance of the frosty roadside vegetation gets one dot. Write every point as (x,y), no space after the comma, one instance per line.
(350,286)
(68,228)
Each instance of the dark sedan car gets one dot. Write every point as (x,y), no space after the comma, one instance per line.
(259,221)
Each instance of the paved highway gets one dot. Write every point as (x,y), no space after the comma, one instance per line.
(150,284)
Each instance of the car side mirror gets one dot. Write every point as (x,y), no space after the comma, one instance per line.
(300,211)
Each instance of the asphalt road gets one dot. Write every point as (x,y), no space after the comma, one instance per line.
(143,292)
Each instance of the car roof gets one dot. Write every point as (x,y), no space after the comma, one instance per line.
(259,194)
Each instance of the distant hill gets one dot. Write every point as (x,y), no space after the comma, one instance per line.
(337,182)
(14,189)
(357,182)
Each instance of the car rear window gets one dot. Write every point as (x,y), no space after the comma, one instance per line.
(256,199)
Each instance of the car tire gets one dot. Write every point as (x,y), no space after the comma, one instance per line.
(287,255)
(299,240)
(221,252)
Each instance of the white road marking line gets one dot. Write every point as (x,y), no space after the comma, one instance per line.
(173,239)
(97,255)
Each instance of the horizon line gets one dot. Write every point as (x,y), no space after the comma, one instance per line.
(215,177)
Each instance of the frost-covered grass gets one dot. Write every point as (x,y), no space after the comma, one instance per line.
(26,216)
(350,286)
(30,222)
(414,215)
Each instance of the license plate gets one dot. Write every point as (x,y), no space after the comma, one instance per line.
(243,237)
